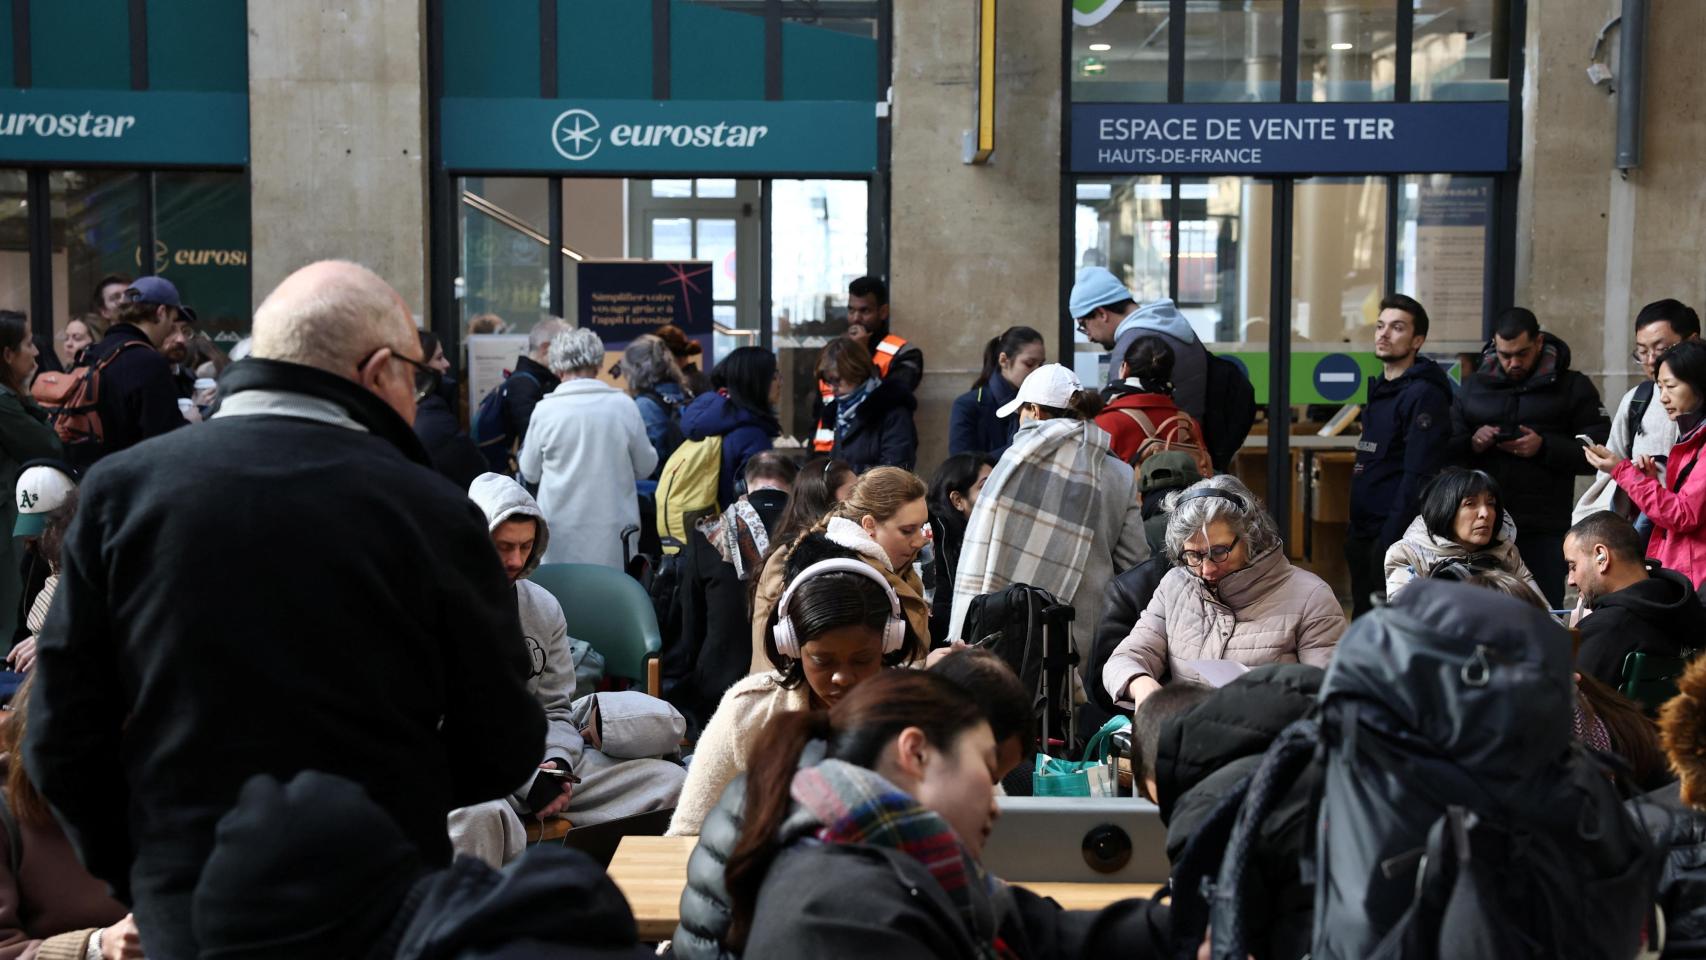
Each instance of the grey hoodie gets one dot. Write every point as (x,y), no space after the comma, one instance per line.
(1190,357)
(552,676)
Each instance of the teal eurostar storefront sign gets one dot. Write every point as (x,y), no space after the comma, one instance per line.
(660,136)
(125,127)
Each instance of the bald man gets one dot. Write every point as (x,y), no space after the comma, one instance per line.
(287,587)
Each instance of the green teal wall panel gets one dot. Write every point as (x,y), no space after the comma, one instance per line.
(824,64)
(79,46)
(491,48)
(714,54)
(604,49)
(200,45)
(5,43)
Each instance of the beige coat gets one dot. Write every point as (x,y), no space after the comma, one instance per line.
(1419,550)
(1268,612)
(721,754)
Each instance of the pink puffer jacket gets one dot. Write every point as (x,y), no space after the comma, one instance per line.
(1268,612)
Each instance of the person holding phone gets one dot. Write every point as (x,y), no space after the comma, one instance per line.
(1516,419)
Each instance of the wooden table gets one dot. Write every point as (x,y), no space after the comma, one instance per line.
(651,872)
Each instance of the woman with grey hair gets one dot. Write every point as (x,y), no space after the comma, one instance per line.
(585,449)
(1231,595)
(654,381)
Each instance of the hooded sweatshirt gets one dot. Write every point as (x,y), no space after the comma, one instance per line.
(551,674)
(744,433)
(1190,357)
(1661,615)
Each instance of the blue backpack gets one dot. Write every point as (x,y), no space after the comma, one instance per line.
(491,425)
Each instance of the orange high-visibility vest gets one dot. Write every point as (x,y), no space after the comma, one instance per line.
(823,440)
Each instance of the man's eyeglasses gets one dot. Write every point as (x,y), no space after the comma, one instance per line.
(1218,554)
(1642,354)
(1083,325)
(426,378)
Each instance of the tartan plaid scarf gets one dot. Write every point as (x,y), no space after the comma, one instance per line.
(1032,521)
(857,806)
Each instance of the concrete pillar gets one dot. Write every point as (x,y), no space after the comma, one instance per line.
(974,249)
(337,139)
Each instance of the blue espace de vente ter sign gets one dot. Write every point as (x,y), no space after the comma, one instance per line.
(1275,138)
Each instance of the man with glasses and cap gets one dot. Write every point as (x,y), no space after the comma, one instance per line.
(1106,313)
(137,397)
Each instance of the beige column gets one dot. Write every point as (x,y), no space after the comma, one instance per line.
(337,139)
(974,249)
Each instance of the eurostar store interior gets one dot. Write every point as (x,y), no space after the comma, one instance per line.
(1284,269)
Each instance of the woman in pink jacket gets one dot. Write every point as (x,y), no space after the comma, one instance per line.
(1675,504)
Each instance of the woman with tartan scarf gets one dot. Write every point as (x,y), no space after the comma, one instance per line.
(873,849)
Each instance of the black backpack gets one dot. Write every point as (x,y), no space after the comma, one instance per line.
(490,425)
(1031,630)
(1229,411)
(1457,816)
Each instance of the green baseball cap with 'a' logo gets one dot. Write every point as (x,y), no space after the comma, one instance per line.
(43,487)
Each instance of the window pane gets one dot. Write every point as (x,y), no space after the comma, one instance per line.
(1225,238)
(97,230)
(1232,50)
(672,188)
(14,242)
(818,245)
(672,238)
(505,250)
(1442,255)
(1121,224)
(1338,267)
(1346,50)
(201,229)
(709,188)
(717,244)
(1122,57)
(1461,51)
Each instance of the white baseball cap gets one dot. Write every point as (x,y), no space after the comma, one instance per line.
(43,487)
(1050,385)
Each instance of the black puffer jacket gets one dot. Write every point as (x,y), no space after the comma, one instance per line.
(1206,752)
(882,433)
(1555,402)
(1123,602)
(1680,831)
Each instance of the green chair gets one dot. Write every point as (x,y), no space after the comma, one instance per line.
(612,612)
(1650,679)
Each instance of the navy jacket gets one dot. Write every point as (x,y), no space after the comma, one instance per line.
(453,453)
(1406,439)
(974,427)
(1555,402)
(744,433)
(882,433)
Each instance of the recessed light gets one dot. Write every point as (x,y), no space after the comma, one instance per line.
(1101,47)
(1344,46)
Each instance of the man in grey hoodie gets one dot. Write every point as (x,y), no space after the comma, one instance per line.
(1106,313)
(597,787)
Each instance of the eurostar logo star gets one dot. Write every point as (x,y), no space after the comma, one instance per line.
(574,135)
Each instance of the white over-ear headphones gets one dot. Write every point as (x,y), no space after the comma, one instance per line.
(788,642)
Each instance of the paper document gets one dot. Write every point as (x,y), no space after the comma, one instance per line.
(1218,673)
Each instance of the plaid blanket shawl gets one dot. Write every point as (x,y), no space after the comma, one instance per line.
(1032,521)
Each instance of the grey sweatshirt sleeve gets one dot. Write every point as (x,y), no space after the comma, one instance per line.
(553,680)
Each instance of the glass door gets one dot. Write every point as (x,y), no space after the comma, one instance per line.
(715,220)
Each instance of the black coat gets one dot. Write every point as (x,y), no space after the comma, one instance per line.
(453,452)
(1555,402)
(1204,754)
(1679,831)
(1656,615)
(882,433)
(138,395)
(1123,602)
(528,384)
(360,625)
(1406,438)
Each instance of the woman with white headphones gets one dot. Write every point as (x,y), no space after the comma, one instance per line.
(838,623)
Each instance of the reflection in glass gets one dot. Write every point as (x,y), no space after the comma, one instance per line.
(717,244)
(1225,239)
(1461,51)
(504,246)
(14,241)
(1232,50)
(672,238)
(201,228)
(97,230)
(710,188)
(1338,260)
(818,245)
(1346,50)
(1121,224)
(1442,254)
(1124,56)
(672,188)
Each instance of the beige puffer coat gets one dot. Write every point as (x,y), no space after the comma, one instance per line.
(1268,612)
(1419,550)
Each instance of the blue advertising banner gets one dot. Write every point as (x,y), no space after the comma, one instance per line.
(1274,138)
(622,299)
(140,128)
(660,136)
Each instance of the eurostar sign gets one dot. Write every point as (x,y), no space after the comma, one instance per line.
(667,136)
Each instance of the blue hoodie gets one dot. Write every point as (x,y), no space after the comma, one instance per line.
(1190,357)
(744,433)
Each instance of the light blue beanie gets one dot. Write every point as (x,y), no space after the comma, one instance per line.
(1095,287)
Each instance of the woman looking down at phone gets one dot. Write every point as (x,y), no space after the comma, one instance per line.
(1676,504)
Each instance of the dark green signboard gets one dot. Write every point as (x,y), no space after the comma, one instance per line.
(135,128)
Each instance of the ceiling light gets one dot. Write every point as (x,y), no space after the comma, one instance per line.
(1344,46)
(1101,47)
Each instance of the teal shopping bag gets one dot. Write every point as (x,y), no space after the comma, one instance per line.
(1090,777)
